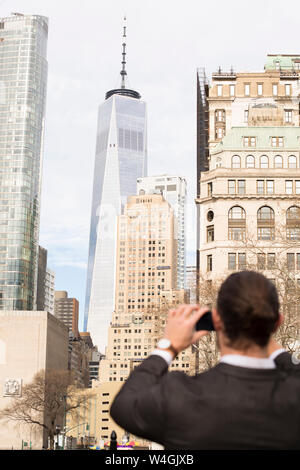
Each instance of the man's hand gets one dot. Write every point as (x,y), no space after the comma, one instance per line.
(180,328)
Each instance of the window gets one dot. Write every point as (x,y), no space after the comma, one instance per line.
(298,265)
(209,262)
(292,161)
(241,186)
(277,141)
(246,115)
(290,261)
(293,223)
(249,141)
(265,223)
(231,186)
(297,187)
(277,65)
(231,261)
(270,186)
(259,89)
(209,189)
(219,90)
(236,223)
(275,89)
(264,161)
(270,260)
(247,89)
(250,161)
(232,90)
(241,261)
(220,132)
(288,115)
(237,212)
(220,115)
(210,234)
(261,261)
(260,186)
(287,89)
(278,162)
(236,162)
(289,187)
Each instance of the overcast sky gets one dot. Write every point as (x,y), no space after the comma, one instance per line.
(167,41)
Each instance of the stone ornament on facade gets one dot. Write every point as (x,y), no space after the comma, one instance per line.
(12,388)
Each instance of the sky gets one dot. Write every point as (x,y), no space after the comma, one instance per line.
(167,40)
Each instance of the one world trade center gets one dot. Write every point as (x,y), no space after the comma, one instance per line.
(121,158)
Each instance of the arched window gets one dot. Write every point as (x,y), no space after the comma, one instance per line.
(250,161)
(293,223)
(264,161)
(278,162)
(265,223)
(236,161)
(292,161)
(236,223)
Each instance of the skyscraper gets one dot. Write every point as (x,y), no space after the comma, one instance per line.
(23,78)
(146,286)
(173,189)
(121,158)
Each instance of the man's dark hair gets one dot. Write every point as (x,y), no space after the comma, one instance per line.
(249,308)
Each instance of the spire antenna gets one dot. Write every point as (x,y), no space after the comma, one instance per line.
(123,72)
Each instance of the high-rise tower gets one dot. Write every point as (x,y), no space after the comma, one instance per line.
(23,78)
(121,158)
(173,189)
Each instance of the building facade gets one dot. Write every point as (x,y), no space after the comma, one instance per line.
(23,78)
(237,104)
(29,343)
(250,203)
(93,423)
(121,158)
(50,291)
(173,189)
(146,286)
(66,309)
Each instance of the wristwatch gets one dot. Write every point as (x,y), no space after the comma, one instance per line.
(166,344)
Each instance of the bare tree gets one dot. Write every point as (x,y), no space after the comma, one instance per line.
(45,402)
(281,267)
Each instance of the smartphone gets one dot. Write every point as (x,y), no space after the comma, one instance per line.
(205,323)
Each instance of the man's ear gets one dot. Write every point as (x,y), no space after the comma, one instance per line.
(279,322)
(217,322)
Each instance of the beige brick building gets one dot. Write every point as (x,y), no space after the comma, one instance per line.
(250,202)
(30,341)
(92,422)
(232,96)
(248,169)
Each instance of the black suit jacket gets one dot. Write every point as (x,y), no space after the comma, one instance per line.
(227,407)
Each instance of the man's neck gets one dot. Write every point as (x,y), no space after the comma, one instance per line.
(251,351)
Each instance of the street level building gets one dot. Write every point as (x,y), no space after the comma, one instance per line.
(23,80)
(30,341)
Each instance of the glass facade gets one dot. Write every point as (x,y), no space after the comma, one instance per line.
(121,158)
(23,80)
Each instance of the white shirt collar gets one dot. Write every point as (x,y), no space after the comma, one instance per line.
(276,353)
(249,362)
